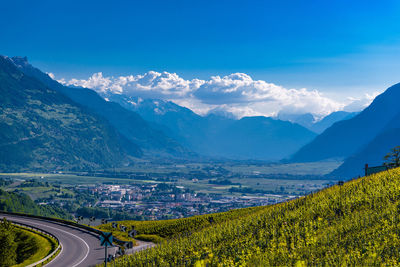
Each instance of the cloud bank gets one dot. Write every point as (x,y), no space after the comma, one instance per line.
(236,93)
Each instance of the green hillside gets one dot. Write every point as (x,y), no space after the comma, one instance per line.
(13,202)
(42,129)
(355,224)
(21,246)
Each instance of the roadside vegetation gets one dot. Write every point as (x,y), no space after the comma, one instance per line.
(21,247)
(22,203)
(354,224)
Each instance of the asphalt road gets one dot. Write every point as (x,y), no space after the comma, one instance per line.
(79,248)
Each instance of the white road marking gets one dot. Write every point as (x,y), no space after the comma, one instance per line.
(87,246)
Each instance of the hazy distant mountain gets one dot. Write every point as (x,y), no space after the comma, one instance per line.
(190,129)
(260,138)
(318,126)
(220,135)
(329,120)
(130,124)
(181,123)
(306,120)
(40,128)
(348,137)
(221,113)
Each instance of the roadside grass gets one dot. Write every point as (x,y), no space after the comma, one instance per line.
(33,246)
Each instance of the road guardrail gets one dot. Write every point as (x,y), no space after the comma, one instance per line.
(44,232)
(96,232)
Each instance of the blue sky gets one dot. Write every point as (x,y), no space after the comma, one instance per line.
(337,47)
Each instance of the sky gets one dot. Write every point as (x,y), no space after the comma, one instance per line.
(249,57)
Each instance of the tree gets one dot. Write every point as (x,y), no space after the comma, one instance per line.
(8,246)
(393,157)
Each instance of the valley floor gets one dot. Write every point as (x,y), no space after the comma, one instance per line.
(168,191)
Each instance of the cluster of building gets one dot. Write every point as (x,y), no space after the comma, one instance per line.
(167,201)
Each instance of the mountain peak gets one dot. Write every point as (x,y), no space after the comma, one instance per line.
(20,61)
(221,113)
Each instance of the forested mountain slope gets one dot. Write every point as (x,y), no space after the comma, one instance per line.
(22,203)
(40,128)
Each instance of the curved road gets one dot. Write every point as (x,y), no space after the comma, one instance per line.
(79,248)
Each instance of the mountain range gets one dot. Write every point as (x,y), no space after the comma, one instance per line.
(164,129)
(78,129)
(46,125)
(128,123)
(261,138)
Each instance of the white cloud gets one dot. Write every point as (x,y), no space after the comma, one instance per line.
(151,85)
(242,92)
(96,82)
(236,93)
